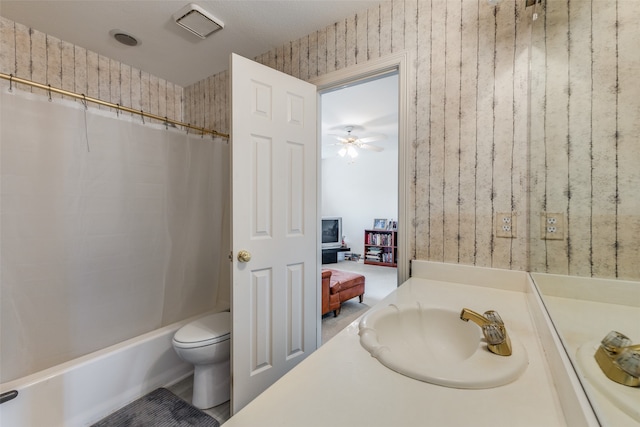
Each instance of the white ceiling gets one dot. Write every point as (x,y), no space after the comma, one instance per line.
(169,51)
(370,107)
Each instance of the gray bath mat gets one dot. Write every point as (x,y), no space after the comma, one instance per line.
(160,408)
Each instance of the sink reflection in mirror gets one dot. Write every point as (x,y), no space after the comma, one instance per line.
(625,398)
(434,345)
(584,310)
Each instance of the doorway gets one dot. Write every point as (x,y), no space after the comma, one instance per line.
(359,182)
(397,62)
(359,159)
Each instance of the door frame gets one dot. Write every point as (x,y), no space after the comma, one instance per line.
(396,62)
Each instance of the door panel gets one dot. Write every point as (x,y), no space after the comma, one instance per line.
(261,174)
(274,215)
(295,315)
(261,327)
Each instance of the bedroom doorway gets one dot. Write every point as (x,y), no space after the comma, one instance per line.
(399,63)
(359,183)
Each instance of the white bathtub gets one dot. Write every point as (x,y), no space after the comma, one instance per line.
(85,390)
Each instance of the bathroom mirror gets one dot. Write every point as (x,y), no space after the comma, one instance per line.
(585,179)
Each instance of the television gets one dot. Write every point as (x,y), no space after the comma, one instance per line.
(331,232)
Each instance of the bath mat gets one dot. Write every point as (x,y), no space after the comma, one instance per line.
(160,408)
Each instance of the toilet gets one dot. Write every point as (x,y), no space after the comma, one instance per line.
(206,343)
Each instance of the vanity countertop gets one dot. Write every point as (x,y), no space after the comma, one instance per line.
(342,385)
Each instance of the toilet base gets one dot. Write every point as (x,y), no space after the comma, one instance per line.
(211,385)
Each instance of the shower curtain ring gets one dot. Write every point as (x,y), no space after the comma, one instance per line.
(166,123)
(10,82)
(142,115)
(49,92)
(84,101)
(118,110)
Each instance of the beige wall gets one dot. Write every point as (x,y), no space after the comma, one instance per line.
(32,55)
(468,115)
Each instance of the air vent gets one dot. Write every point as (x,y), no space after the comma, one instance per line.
(126,39)
(198,21)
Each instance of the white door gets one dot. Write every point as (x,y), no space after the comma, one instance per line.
(274,299)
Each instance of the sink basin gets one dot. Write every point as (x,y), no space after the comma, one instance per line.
(433,345)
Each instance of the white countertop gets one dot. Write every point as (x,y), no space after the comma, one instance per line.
(342,385)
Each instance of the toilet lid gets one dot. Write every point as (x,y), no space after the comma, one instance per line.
(205,330)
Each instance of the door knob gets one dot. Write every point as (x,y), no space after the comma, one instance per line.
(244,256)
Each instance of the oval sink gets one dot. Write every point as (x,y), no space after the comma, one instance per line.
(433,345)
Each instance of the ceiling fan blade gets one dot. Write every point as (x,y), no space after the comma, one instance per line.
(370,147)
(371,138)
(340,138)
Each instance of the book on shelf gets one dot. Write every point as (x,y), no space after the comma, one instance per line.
(383,239)
(388,257)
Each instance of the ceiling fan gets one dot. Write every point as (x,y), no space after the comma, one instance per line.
(350,143)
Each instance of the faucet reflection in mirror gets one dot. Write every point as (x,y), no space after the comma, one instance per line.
(493,328)
(619,359)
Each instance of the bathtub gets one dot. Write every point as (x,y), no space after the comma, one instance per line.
(85,390)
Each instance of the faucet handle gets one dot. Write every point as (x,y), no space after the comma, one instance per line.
(614,341)
(494,333)
(494,317)
(629,361)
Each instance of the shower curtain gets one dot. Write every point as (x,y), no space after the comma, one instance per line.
(109,228)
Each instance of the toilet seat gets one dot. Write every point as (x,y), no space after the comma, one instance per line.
(207,330)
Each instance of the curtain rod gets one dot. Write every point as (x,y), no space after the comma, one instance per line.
(82,97)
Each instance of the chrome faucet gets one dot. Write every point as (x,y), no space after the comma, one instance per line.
(493,329)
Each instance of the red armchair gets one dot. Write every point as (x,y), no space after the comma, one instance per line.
(339,286)
(330,302)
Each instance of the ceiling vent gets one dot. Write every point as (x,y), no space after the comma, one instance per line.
(198,21)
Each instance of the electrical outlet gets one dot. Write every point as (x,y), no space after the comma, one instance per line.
(552,226)
(506,225)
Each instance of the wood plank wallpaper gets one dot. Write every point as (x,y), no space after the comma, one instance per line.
(32,55)
(585,152)
(468,114)
(468,119)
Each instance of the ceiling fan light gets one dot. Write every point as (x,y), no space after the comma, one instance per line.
(342,152)
(352,152)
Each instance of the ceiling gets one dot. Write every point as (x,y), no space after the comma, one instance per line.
(370,107)
(169,51)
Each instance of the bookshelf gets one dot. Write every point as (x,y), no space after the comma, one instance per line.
(381,247)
